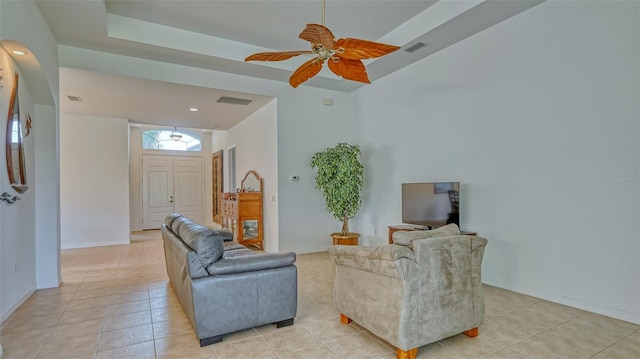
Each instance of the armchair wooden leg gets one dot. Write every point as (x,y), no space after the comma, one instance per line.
(344,319)
(471,333)
(409,354)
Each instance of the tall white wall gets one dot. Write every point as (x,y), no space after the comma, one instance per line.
(47,176)
(256,141)
(21,21)
(17,229)
(538,117)
(94,181)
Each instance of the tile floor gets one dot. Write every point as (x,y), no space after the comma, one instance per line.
(116,303)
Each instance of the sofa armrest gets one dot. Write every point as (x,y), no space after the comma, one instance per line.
(388,260)
(248,263)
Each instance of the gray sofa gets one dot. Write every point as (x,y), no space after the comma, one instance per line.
(223,286)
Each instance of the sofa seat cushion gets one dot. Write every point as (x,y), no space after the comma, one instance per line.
(406,238)
(206,242)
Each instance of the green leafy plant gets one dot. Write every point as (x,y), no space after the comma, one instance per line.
(339,178)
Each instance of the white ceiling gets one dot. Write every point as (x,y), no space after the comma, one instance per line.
(218,35)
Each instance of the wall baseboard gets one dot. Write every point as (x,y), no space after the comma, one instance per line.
(92,244)
(16,305)
(572,302)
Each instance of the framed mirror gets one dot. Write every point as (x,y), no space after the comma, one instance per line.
(14,144)
(252,182)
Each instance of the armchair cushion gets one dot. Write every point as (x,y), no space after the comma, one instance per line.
(406,238)
(384,260)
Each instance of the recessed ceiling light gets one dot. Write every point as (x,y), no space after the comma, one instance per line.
(18,52)
(193,109)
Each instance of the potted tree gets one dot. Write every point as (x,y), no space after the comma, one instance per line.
(339,178)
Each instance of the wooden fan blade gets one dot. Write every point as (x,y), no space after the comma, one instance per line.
(305,72)
(318,34)
(275,56)
(357,49)
(349,69)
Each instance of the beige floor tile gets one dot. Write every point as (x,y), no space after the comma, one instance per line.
(70,348)
(172,328)
(142,305)
(478,346)
(184,346)
(21,352)
(163,302)
(240,335)
(126,308)
(35,322)
(68,331)
(254,348)
(289,339)
(161,283)
(160,292)
(173,312)
(629,347)
(358,346)
(130,288)
(144,350)
(507,353)
(76,316)
(128,297)
(127,320)
(330,329)
(88,303)
(96,284)
(34,337)
(125,337)
(316,352)
(545,346)
(92,293)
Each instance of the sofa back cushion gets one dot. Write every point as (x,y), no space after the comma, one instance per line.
(406,238)
(170,218)
(205,242)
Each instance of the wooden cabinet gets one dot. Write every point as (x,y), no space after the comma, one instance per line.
(242,213)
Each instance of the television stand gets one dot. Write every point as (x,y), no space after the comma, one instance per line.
(413,227)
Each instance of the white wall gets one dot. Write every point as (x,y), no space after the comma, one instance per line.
(21,21)
(256,141)
(17,229)
(538,117)
(47,176)
(94,181)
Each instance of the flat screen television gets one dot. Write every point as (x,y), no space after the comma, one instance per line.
(432,204)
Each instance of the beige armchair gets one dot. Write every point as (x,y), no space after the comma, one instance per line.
(424,288)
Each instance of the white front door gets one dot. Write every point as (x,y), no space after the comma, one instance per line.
(170,184)
(187,184)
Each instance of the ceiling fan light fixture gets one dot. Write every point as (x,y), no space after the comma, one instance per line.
(344,56)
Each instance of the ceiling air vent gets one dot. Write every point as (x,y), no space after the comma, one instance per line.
(234,101)
(415,46)
(74,98)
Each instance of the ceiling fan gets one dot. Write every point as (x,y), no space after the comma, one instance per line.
(343,56)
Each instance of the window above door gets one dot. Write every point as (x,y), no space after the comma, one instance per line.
(160,139)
